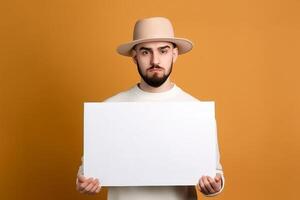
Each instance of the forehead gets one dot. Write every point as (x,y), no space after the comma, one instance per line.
(153,45)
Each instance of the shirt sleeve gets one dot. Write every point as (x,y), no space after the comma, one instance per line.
(219,170)
(80,170)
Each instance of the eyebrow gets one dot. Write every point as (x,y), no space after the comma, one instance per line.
(149,49)
(164,47)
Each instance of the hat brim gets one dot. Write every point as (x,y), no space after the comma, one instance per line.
(184,45)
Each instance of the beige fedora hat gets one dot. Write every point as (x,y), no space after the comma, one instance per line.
(154,29)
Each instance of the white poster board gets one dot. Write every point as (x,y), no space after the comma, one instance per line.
(149,143)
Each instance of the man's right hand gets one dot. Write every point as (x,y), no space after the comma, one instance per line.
(87,185)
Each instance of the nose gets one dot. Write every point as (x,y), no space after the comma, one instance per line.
(155,58)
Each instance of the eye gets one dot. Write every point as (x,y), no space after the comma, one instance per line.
(164,51)
(145,52)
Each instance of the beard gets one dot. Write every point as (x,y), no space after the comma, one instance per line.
(155,80)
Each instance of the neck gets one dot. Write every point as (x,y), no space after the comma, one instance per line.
(167,85)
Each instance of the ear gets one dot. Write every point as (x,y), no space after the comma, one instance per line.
(133,55)
(175,54)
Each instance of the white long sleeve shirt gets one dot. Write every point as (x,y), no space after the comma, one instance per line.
(135,94)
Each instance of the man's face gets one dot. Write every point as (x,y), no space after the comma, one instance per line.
(154,61)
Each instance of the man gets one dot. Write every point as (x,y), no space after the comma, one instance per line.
(154,50)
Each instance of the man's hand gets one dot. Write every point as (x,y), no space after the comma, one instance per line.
(208,185)
(87,185)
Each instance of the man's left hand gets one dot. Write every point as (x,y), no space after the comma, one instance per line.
(208,185)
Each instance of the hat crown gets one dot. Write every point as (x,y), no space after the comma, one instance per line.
(155,27)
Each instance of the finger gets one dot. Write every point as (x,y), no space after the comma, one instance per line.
(82,186)
(208,186)
(214,184)
(94,188)
(203,188)
(85,184)
(218,178)
(90,186)
(198,185)
(98,189)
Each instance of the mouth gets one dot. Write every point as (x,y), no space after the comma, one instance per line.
(155,69)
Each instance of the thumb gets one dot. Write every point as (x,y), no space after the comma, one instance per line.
(81,178)
(217,178)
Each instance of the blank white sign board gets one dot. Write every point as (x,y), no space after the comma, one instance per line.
(149,143)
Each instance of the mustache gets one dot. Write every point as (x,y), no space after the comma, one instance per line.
(155,66)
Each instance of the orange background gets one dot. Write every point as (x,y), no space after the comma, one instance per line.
(55,55)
